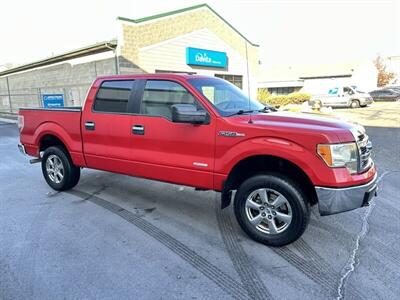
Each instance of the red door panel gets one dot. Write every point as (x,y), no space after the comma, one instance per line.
(174,152)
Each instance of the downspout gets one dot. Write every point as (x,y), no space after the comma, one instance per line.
(116,57)
(9,94)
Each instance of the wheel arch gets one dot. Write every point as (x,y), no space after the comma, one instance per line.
(52,134)
(49,140)
(257,164)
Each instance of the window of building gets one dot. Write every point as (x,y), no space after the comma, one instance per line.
(113,96)
(235,79)
(281,90)
(160,95)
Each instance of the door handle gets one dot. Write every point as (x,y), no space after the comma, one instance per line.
(89,125)
(138,129)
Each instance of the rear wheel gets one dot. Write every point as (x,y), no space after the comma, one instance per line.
(271,209)
(355,104)
(58,170)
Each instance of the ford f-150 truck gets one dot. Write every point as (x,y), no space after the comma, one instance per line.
(205,133)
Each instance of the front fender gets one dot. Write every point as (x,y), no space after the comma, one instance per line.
(305,159)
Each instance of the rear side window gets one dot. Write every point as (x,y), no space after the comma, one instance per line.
(113,96)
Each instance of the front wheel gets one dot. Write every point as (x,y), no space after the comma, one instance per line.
(58,170)
(271,209)
(355,104)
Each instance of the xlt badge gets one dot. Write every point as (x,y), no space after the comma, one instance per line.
(230,133)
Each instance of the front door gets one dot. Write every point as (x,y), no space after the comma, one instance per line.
(173,152)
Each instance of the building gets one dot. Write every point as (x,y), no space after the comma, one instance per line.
(318,78)
(191,40)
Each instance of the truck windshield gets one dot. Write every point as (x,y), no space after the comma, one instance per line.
(225,97)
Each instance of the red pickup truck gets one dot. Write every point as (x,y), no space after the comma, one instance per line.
(205,133)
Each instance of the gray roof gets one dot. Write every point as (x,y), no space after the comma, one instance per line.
(88,50)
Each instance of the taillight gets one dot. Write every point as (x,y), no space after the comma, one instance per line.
(20,122)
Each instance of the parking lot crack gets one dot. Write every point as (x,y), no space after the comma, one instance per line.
(353,260)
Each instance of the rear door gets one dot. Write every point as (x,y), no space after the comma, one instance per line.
(106,127)
(173,152)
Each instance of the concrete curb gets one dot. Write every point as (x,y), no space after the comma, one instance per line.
(9,121)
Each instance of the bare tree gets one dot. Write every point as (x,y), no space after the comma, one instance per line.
(384,76)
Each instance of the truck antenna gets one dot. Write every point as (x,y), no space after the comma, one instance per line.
(248,81)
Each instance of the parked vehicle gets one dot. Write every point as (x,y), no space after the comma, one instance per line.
(386,94)
(342,96)
(205,133)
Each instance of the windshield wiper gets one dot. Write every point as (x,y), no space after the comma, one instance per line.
(267,109)
(241,112)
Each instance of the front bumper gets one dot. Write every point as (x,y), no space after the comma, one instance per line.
(336,200)
(367,101)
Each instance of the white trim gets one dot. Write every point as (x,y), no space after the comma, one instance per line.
(160,18)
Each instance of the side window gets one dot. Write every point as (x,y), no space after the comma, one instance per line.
(160,95)
(113,96)
(333,91)
(347,90)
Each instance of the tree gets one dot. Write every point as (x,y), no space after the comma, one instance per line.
(384,76)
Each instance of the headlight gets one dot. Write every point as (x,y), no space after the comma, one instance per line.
(340,155)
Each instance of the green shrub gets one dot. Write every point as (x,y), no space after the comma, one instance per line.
(280,100)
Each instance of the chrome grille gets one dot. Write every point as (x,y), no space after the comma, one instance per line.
(365,149)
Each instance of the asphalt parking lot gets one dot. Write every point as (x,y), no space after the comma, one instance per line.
(117,237)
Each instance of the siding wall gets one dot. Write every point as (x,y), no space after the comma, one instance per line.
(170,55)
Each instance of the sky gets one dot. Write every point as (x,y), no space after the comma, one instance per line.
(288,31)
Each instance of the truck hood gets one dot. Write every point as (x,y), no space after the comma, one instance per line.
(332,128)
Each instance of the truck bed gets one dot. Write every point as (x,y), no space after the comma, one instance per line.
(65,122)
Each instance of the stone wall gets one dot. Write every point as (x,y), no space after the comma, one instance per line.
(137,36)
(70,78)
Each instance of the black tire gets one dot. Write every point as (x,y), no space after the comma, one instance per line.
(300,208)
(315,104)
(71,173)
(355,104)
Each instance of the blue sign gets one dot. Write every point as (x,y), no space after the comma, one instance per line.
(53,100)
(204,57)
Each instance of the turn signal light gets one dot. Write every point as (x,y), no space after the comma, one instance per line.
(325,152)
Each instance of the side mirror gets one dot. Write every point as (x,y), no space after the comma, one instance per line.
(188,113)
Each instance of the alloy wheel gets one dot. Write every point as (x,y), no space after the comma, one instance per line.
(268,211)
(55,168)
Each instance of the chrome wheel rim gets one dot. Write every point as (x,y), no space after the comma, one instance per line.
(55,168)
(268,211)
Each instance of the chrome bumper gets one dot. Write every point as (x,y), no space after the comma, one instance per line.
(336,200)
(22,149)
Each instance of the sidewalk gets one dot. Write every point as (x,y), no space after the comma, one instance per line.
(9,118)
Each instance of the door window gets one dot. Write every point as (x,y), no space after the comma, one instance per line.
(160,95)
(113,96)
(347,91)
